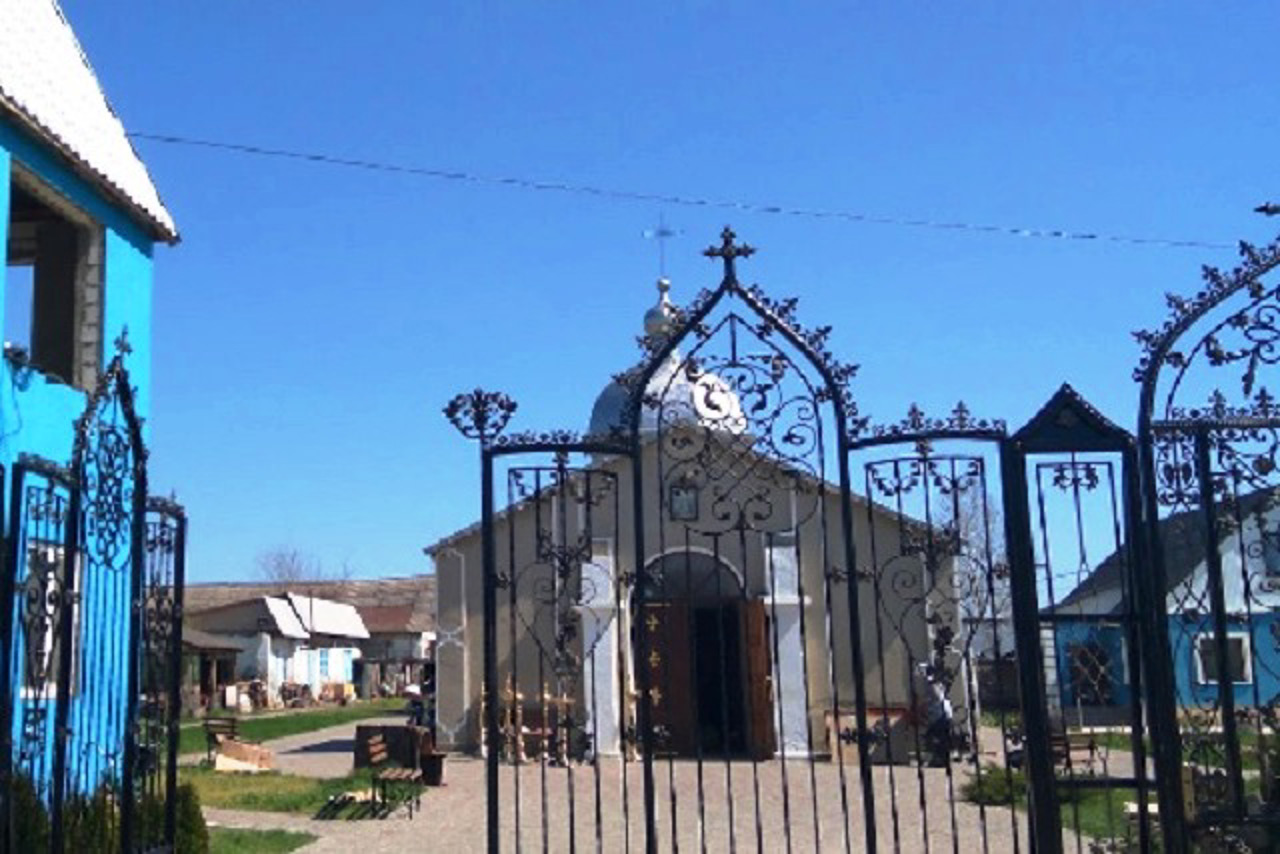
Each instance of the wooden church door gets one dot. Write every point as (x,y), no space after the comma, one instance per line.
(670,676)
(762,743)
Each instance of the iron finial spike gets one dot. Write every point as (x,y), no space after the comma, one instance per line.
(728,251)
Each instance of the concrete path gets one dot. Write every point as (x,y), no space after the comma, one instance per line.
(323,753)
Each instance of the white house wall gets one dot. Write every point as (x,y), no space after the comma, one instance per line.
(1235,550)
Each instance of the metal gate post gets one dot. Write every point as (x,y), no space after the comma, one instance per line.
(1135,605)
(490,568)
(175,678)
(639,593)
(65,627)
(8,628)
(1046,825)
(1218,609)
(1151,591)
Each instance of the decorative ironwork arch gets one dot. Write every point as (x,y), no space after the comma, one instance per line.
(773,316)
(821,412)
(1208,469)
(1257,323)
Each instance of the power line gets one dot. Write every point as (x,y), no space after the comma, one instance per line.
(684,201)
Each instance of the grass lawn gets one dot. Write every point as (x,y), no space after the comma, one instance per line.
(191,739)
(1250,759)
(1098,814)
(227,840)
(268,791)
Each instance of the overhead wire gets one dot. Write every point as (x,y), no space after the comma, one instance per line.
(675,199)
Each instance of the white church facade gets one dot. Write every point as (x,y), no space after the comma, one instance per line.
(745,628)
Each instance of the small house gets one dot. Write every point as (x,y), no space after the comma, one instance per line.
(288,641)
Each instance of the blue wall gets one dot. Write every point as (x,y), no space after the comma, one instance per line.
(37,415)
(1264,644)
(1106,636)
(1265,677)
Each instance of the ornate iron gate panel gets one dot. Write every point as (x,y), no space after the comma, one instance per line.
(1209,432)
(731,582)
(38,598)
(91,617)
(159,662)
(949,747)
(1072,485)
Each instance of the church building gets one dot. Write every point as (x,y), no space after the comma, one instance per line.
(734,607)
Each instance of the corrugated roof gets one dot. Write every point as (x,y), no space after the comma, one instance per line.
(46,82)
(197,639)
(416,591)
(326,617)
(287,621)
(386,619)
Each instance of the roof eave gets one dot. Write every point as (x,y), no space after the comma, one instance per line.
(154,227)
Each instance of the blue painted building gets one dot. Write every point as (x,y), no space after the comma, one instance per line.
(80,220)
(1089,645)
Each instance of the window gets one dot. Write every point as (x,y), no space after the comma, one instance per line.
(324,664)
(53,283)
(1089,668)
(1238,657)
(41,619)
(682,500)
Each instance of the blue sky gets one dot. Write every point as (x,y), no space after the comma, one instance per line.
(314,320)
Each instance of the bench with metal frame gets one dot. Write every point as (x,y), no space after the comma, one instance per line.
(217,730)
(385,778)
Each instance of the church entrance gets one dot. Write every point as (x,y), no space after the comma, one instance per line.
(708,660)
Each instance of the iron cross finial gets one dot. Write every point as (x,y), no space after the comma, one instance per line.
(729,252)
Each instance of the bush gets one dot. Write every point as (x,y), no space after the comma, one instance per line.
(31,819)
(90,823)
(192,834)
(992,785)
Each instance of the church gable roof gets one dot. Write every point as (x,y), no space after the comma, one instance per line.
(48,86)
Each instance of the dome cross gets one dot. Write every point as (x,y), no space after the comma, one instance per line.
(729,251)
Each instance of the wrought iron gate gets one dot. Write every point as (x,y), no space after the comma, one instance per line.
(91,615)
(1209,433)
(739,614)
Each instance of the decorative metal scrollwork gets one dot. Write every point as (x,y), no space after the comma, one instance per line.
(960,422)
(480,415)
(1246,338)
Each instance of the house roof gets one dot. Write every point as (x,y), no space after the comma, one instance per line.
(326,617)
(1182,535)
(387,619)
(195,639)
(418,592)
(48,86)
(286,618)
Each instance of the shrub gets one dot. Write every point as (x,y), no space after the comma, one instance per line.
(31,819)
(992,785)
(192,834)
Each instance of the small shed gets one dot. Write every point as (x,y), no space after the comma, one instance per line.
(209,662)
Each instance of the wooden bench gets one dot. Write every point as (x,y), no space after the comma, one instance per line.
(1068,746)
(384,778)
(218,730)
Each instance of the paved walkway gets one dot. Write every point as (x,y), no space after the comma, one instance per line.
(769,806)
(323,753)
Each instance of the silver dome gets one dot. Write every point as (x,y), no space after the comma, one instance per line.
(681,397)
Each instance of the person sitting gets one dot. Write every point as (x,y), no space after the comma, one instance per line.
(416,708)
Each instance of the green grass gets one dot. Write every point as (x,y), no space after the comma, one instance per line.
(268,791)
(1249,752)
(191,739)
(226,840)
